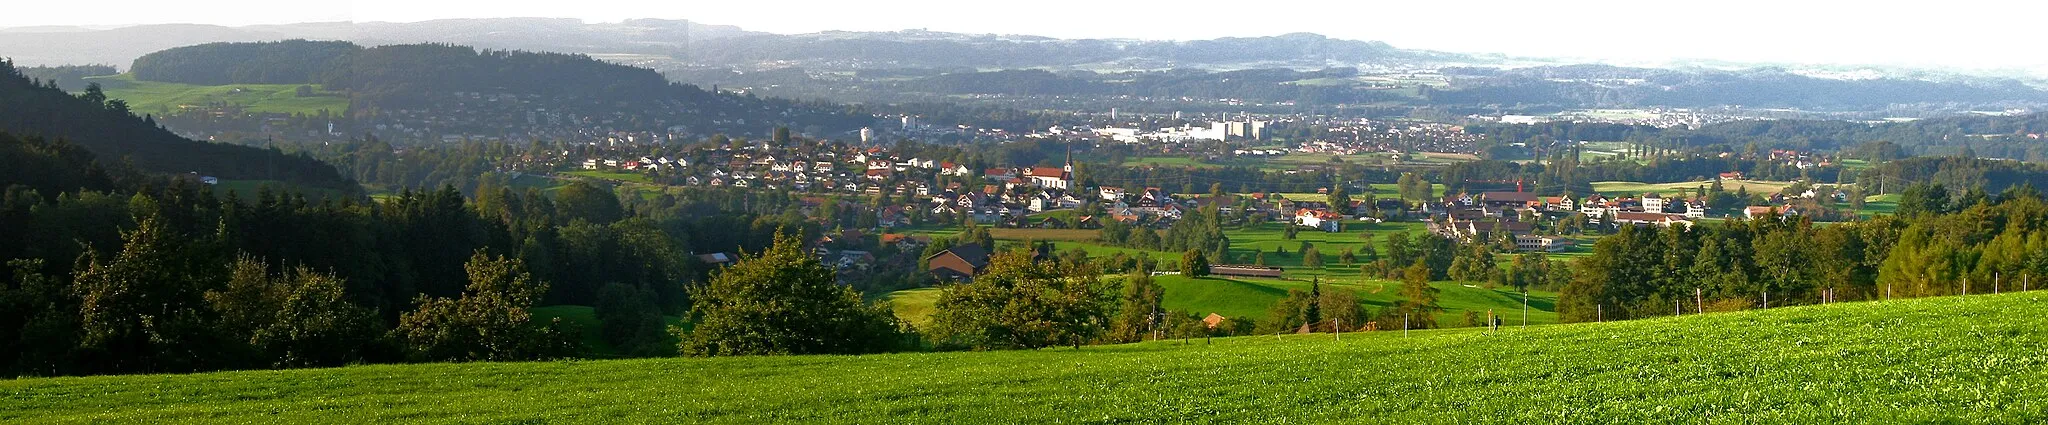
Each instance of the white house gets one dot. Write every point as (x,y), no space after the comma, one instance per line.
(1320,220)
(1111,193)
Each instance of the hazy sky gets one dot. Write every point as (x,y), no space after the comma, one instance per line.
(1976,34)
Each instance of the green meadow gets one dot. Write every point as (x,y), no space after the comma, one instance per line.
(1976,359)
(149,97)
(1251,298)
(1617,188)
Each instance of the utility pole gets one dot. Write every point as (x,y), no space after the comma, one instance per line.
(1600,313)
(1995,278)
(1699,300)
(1525,309)
(1404,325)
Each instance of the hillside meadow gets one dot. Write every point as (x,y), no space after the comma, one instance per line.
(1975,359)
(1251,298)
(157,97)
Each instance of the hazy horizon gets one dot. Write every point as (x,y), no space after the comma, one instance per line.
(1962,35)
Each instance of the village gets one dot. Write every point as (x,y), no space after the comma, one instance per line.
(905,200)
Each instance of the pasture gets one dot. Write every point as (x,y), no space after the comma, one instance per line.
(1938,360)
(1619,188)
(151,97)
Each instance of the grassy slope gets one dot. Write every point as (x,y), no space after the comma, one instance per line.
(1617,188)
(153,97)
(1880,204)
(1246,243)
(1252,297)
(1951,359)
(914,305)
(610,175)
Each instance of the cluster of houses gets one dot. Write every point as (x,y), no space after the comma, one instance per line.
(1470,217)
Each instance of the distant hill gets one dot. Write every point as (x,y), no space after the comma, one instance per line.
(108,130)
(283,62)
(68,77)
(777,64)
(435,81)
(939,49)
(727,45)
(70,45)
(1602,86)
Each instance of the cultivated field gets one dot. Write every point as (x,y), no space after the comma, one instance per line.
(1971,359)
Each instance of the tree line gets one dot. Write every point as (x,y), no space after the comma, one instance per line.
(1947,242)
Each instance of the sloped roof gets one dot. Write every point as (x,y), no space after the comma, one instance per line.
(973,254)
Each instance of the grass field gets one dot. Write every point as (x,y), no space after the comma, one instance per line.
(914,305)
(610,175)
(1392,191)
(1879,204)
(1165,161)
(1613,188)
(1971,359)
(1251,298)
(156,97)
(1271,239)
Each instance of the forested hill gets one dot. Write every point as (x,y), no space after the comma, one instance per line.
(283,62)
(112,133)
(426,77)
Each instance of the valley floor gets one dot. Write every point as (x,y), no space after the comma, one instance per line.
(1952,359)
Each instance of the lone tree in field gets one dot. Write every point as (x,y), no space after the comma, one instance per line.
(783,301)
(1020,303)
(1418,299)
(1194,263)
(1134,316)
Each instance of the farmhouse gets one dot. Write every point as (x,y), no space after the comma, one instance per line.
(959,262)
(1473,229)
(1507,199)
(1660,219)
(1753,213)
